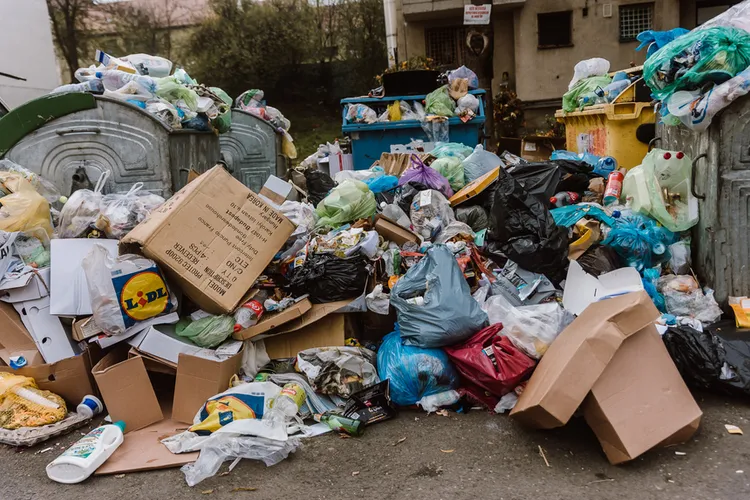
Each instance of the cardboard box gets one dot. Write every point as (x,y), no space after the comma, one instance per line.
(69,291)
(49,334)
(278,190)
(269,321)
(15,339)
(540,148)
(582,289)
(577,358)
(397,163)
(69,378)
(28,286)
(85,328)
(475,187)
(199,379)
(213,238)
(391,231)
(640,401)
(163,343)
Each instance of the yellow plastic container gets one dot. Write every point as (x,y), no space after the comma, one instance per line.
(608,130)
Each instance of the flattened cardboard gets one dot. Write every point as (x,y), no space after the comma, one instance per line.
(327,331)
(581,288)
(640,400)
(577,358)
(316,312)
(69,378)
(15,339)
(391,231)
(277,190)
(269,321)
(49,334)
(32,285)
(127,391)
(475,187)
(199,379)
(213,238)
(163,343)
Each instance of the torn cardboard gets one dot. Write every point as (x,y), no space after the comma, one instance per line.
(214,238)
(15,339)
(269,321)
(391,231)
(582,288)
(30,284)
(640,400)
(577,358)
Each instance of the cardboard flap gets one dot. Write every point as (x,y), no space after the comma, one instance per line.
(15,339)
(269,321)
(199,379)
(316,313)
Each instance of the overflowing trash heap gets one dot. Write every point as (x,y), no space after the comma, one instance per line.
(451,279)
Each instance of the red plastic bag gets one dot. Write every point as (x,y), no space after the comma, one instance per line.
(490,361)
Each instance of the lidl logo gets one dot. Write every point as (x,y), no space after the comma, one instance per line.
(144,296)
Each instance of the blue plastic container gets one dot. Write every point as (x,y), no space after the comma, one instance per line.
(369,141)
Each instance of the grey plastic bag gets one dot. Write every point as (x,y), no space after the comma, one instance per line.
(434,303)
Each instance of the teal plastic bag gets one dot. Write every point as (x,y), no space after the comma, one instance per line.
(699,57)
(206,332)
(347,202)
(451,168)
(582,88)
(439,102)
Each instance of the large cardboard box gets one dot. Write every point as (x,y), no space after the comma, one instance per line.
(640,401)
(577,358)
(197,380)
(214,238)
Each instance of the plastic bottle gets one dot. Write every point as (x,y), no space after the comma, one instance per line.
(90,406)
(94,86)
(286,405)
(86,455)
(114,80)
(614,89)
(564,198)
(340,423)
(249,313)
(614,188)
(605,166)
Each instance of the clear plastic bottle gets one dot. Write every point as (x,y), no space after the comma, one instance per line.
(286,405)
(564,198)
(114,80)
(94,86)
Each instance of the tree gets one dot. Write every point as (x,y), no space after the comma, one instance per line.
(68,18)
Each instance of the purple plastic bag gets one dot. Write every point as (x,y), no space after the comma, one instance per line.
(419,172)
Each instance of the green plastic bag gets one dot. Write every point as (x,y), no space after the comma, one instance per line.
(452,169)
(223,122)
(170,90)
(709,55)
(439,102)
(206,332)
(583,87)
(349,201)
(443,149)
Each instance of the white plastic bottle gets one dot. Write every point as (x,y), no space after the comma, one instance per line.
(86,455)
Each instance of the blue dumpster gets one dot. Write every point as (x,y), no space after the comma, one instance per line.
(370,140)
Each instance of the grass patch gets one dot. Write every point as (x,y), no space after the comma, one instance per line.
(312,126)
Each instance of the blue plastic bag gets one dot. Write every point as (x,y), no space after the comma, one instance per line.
(434,303)
(382,183)
(640,241)
(479,163)
(568,216)
(414,372)
(464,72)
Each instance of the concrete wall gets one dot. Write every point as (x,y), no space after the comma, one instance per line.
(26,50)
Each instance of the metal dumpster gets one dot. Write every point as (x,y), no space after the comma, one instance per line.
(721,180)
(73,138)
(251,150)
(369,140)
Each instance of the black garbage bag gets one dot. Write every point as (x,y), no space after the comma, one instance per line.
(475,216)
(545,179)
(328,278)
(523,230)
(405,194)
(717,359)
(600,259)
(319,184)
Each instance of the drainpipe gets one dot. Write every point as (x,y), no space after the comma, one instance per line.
(391,32)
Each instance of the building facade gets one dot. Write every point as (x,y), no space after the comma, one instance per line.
(533,45)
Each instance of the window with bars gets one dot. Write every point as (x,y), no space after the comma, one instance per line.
(634,19)
(446,46)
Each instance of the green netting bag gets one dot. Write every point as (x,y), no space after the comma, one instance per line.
(688,62)
(583,87)
(439,102)
(347,202)
(451,168)
(223,122)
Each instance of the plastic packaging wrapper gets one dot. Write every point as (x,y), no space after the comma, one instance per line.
(22,404)
(434,304)
(430,212)
(24,209)
(347,202)
(338,371)
(572,99)
(414,372)
(319,184)
(439,102)
(491,361)
(475,216)
(639,241)
(655,40)
(707,55)
(451,168)
(588,68)
(679,260)
(378,301)
(479,162)
(125,290)
(359,113)
(717,359)
(523,231)
(328,278)
(208,331)
(465,73)
(421,173)
(39,183)
(451,149)
(302,215)
(684,297)
(531,328)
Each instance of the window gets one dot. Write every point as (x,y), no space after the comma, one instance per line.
(446,46)
(555,29)
(634,19)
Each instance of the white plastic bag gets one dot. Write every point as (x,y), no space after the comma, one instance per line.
(433,402)
(378,301)
(469,101)
(148,65)
(589,67)
(359,113)
(81,210)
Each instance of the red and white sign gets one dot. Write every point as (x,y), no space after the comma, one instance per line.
(477,14)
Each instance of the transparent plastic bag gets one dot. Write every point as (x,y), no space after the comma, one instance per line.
(171,90)
(209,331)
(359,113)
(436,129)
(451,149)
(81,210)
(479,162)
(684,297)
(302,215)
(40,184)
(679,260)
(148,65)
(467,102)
(338,371)
(737,16)
(466,73)
(531,328)
(451,168)
(439,102)
(124,290)
(125,211)
(430,212)
(347,202)
(571,98)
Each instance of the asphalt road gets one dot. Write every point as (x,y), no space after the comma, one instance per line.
(472,456)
